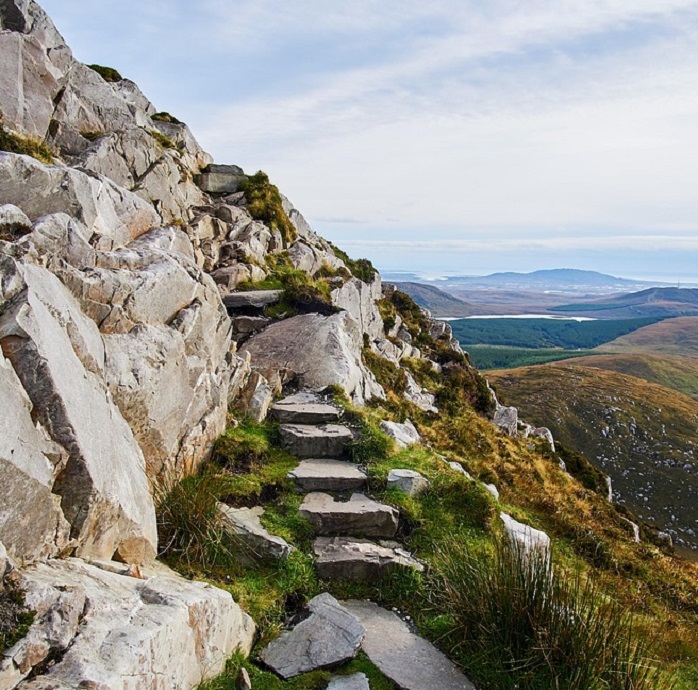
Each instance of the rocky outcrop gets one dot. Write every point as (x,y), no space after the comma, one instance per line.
(103,628)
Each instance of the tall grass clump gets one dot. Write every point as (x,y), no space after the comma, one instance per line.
(516,623)
(189,523)
(264,203)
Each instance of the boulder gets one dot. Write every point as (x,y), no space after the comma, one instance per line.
(528,541)
(315,441)
(220,179)
(408,660)
(328,475)
(13,217)
(408,481)
(338,558)
(320,350)
(359,516)
(329,637)
(246,528)
(58,355)
(403,434)
(419,396)
(506,418)
(109,630)
(256,397)
(359,300)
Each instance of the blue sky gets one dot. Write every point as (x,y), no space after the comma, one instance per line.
(455,136)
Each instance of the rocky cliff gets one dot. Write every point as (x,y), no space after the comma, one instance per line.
(126,339)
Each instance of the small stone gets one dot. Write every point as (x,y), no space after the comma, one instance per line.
(328,638)
(243,680)
(356,681)
(407,481)
(257,543)
(492,489)
(359,516)
(403,434)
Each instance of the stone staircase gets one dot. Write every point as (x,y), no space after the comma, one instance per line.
(343,519)
(354,541)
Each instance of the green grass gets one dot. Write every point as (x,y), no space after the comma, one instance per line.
(264,203)
(545,333)
(486,357)
(362,269)
(29,146)
(518,623)
(164,140)
(166,117)
(109,74)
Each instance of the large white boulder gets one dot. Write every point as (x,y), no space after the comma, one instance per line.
(110,630)
(320,350)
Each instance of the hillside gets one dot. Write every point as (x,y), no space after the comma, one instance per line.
(675,337)
(654,302)
(678,373)
(438,302)
(645,436)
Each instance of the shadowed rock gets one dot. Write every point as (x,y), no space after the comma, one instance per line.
(328,638)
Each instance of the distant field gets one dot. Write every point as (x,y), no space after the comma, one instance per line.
(544,333)
(496,357)
(679,373)
(676,337)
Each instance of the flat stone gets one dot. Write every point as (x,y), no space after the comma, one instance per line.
(252,299)
(324,474)
(328,638)
(356,681)
(304,408)
(408,660)
(324,441)
(407,481)
(359,516)
(244,325)
(257,543)
(359,559)
(220,179)
(403,434)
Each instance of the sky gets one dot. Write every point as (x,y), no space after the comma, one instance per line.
(448,137)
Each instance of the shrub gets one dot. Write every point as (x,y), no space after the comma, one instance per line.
(264,203)
(15,618)
(166,117)
(517,623)
(28,146)
(109,74)
(189,524)
(360,268)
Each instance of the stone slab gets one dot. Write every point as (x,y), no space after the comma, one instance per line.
(323,441)
(329,637)
(359,559)
(408,660)
(256,542)
(359,516)
(252,299)
(304,409)
(325,474)
(356,681)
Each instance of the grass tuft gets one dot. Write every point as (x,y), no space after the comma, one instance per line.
(264,203)
(28,146)
(109,74)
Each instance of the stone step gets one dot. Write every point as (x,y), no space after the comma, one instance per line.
(305,408)
(326,474)
(408,660)
(251,299)
(343,558)
(360,516)
(321,441)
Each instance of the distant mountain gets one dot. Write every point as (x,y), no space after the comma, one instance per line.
(437,301)
(642,434)
(654,302)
